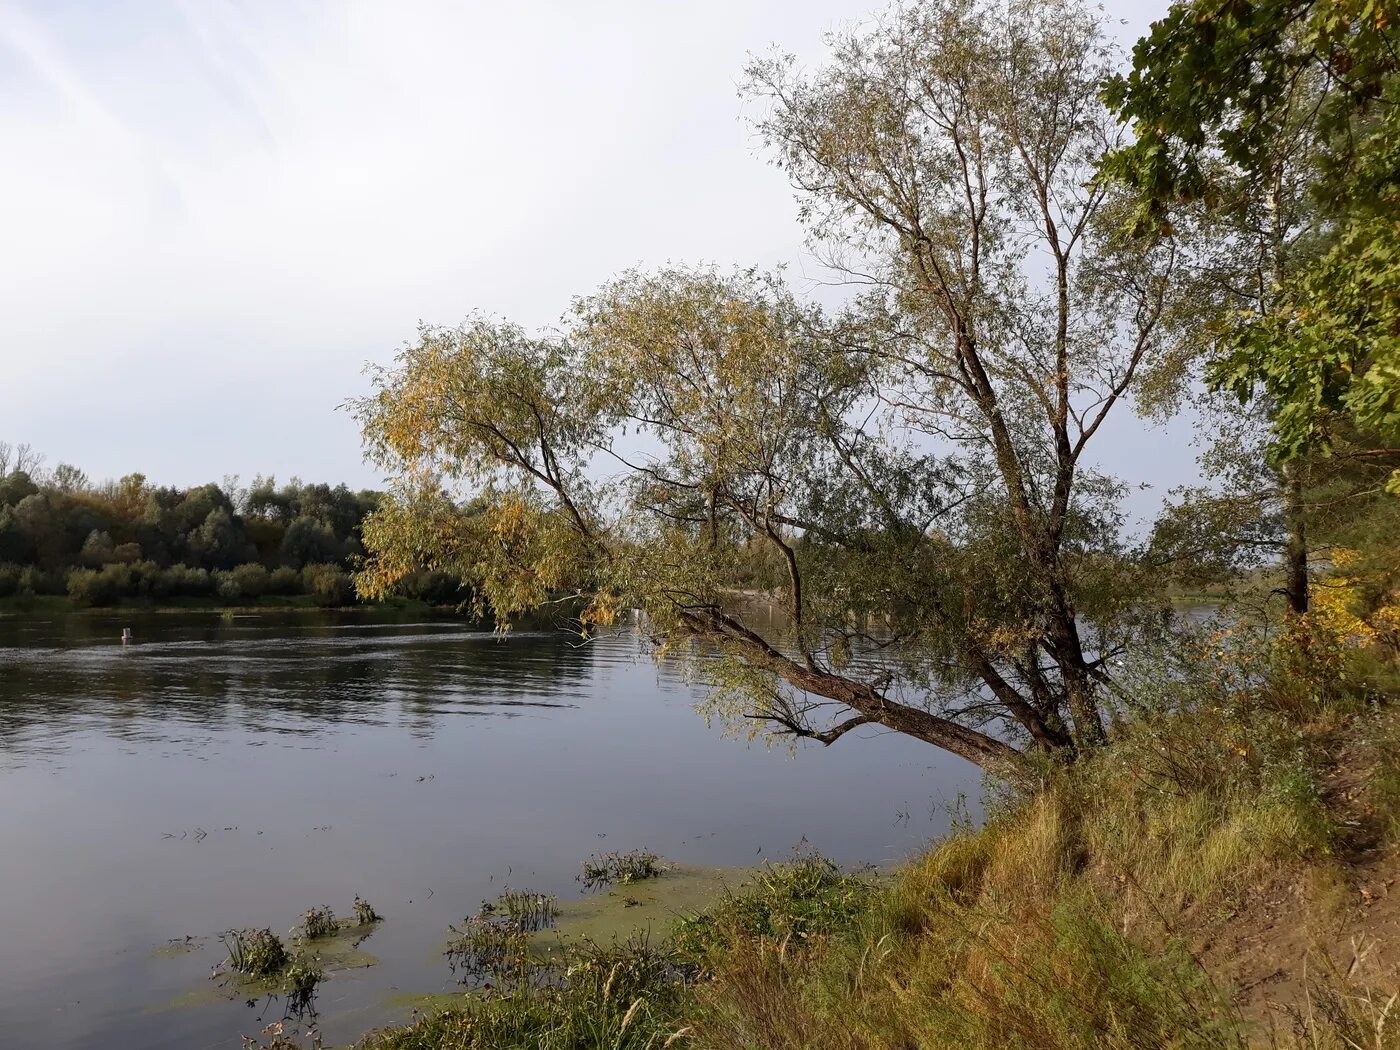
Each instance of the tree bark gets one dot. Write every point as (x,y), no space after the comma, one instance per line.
(1296,546)
(864,699)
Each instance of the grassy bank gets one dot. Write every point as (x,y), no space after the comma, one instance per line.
(1217,877)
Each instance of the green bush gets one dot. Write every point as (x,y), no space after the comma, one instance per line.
(284,581)
(246,582)
(9,578)
(252,580)
(33,580)
(111,583)
(180,581)
(329,585)
(88,587)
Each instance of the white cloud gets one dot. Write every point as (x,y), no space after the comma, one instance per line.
(214,212)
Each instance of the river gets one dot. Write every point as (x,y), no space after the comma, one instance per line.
(233,771)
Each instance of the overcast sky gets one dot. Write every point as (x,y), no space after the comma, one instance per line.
(215,212)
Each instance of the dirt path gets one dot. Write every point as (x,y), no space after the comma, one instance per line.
(1339,916)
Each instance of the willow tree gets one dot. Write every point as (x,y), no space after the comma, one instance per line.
(912,477)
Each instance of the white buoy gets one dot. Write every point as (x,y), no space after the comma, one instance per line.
(126,636)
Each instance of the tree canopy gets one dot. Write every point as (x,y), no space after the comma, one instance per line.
(101,543)
(1230,93)
(887,515)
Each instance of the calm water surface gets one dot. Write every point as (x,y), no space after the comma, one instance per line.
(233,772)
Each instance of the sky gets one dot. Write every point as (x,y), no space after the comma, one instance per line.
(214,212)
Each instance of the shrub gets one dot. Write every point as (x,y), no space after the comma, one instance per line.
(225,587)
(248,581)
(87,587)
(9,578)
(328,584)
(180,581)
(284,581)
(251,579)
(107,585)
(127,553)
(33,580)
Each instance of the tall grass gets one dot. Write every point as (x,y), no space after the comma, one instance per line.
(1065,922)
(623,997)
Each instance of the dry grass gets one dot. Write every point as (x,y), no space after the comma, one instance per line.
(1064,923)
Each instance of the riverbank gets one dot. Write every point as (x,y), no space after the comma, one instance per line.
(1221,876)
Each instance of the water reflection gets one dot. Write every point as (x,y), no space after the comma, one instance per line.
(272,675)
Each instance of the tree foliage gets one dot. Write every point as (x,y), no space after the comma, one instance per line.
(100,543)
(910,477)
(1215,88)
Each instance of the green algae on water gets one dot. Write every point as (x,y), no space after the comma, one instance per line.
(648,907)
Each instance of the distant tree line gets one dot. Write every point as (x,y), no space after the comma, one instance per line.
(227,543)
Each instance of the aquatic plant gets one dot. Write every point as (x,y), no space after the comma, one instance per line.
(319,922)
(606,869)
(275,1036)
(299,982)
(621,996)
(365,913)
(806,897)
(257,953)
(489,951)
(528,910)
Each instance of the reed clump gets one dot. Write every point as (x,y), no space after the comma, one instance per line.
(300,979)
(255,953)
(624,996)
(528,910)
(607,869)
(489,951)
(317,923)
(365,915)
